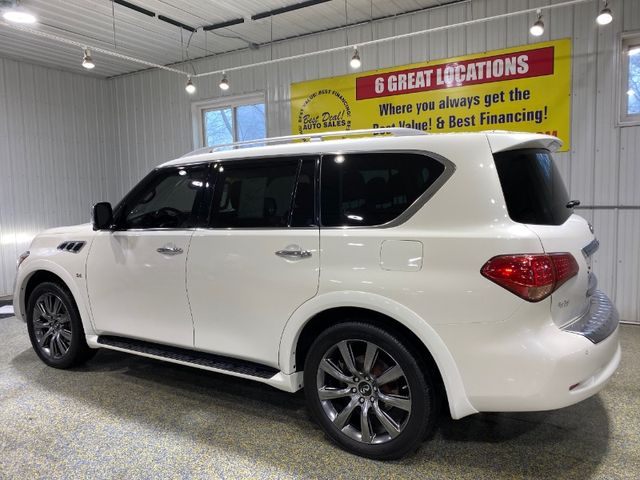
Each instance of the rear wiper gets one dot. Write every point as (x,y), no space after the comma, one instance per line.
(572,203)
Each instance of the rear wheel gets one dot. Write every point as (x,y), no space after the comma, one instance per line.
(368,391)
(55,329)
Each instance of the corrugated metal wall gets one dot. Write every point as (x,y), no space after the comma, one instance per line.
(56,154)
(153,114)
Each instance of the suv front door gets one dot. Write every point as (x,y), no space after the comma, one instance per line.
(258,260)
(136,273)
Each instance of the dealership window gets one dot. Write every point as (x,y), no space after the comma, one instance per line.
(630,91)
(229,120)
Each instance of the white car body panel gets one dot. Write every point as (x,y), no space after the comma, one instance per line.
(241,293)
(229,294)
(137,292)
(70,267)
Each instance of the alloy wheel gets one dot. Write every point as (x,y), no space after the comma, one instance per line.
(363,391)
(52,325)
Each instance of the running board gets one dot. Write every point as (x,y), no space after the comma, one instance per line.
(185,356)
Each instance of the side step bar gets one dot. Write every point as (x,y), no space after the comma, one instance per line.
(197,359)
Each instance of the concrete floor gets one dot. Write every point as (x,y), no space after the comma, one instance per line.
(122,416)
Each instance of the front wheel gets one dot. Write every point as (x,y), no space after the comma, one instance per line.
(55,328)
(368,391)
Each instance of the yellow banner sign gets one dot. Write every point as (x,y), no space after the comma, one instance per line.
(525,89)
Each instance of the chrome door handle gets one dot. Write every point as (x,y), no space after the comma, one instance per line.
(292,253)
(169,250)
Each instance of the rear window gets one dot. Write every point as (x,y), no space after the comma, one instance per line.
(532,187)
(366,189)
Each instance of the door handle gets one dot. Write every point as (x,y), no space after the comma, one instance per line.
(169,250)
(293,252)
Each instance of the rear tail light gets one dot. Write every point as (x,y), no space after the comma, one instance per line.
(532,277)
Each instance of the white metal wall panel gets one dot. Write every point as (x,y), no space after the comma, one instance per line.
(151,115)
(627,297)
(55,139)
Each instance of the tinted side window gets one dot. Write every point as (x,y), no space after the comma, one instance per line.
(254,195)
(373,188)
(533,187)
(169,198)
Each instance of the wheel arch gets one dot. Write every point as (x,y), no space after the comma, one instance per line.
(44,271)
(326,310)
(35,279)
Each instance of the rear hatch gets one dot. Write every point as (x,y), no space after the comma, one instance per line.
(535,195)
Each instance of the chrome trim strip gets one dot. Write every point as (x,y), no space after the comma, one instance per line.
(593,284)
(591,248)
(599,322)
(155,229)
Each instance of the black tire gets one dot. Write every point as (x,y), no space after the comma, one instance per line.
(417,385)
(40,325)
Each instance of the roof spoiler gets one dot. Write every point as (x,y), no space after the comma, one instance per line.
(503,141)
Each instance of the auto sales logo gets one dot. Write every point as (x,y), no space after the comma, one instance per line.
(323,110)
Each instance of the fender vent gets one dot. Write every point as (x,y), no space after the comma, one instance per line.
(73,247)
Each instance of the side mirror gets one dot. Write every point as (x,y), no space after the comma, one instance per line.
(102,216)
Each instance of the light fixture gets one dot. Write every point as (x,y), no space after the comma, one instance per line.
(339,158)
(17,14)
(537,29)
(355,60)
(605,17)
(87,60)
(224,83)
(190,87)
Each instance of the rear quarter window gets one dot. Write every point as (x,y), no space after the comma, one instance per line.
(533,188)
(367,189)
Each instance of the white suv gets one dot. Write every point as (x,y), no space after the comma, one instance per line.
(386,273)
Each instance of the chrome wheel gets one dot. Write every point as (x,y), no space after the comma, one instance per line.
(363,391)
(52,325)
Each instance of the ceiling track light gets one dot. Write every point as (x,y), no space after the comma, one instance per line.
(87,60)
(224,83)
(373,41)
(190,87)
(355,61)
(537,29)
(15,13)
(605,17)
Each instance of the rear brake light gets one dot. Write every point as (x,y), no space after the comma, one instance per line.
(531,276)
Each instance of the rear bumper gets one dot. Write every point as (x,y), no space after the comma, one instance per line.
(518,366)
(599,322)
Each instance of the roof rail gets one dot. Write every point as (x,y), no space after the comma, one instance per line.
(396,132)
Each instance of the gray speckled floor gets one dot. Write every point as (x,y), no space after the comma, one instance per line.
(128,417)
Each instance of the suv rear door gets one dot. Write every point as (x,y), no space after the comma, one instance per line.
(535,195)
(258,259)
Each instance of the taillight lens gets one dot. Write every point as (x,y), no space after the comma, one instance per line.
(531,276)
